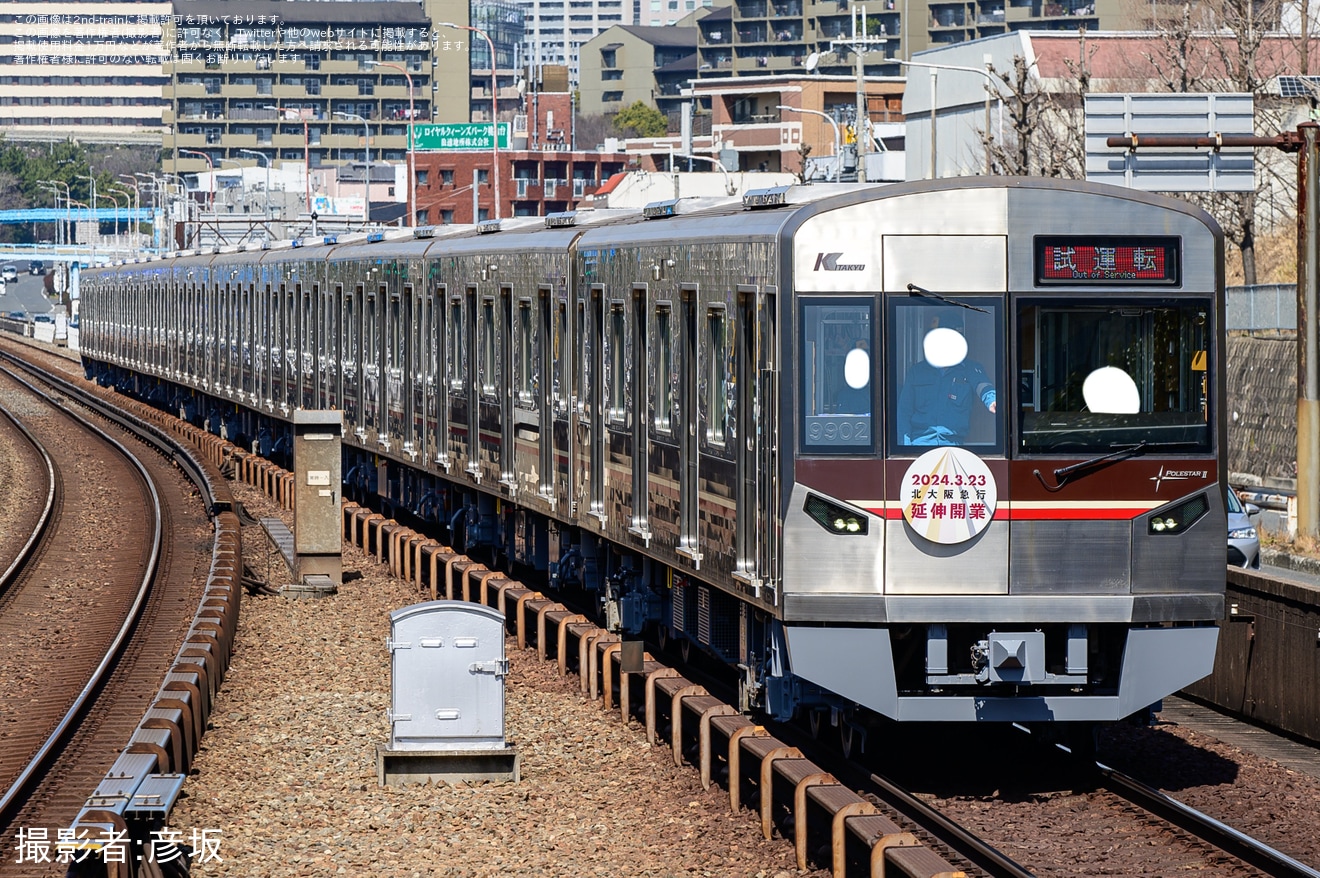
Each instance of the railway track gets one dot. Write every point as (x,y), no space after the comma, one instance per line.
(799,788)
(785,781)
(94,615)
(58,606)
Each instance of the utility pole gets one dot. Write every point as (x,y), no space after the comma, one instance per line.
(860,43)
(1303,141)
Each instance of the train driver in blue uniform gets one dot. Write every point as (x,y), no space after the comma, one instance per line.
(935,405)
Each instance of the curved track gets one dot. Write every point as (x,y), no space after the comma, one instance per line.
(93,621)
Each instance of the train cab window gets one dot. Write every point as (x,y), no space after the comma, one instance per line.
(1099,376)
(946,366)
(836,376)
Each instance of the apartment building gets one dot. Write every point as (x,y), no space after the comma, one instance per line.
(755,37)
(90,70)
(265,81)
(632,63)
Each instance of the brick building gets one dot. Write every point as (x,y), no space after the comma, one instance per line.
(450,185)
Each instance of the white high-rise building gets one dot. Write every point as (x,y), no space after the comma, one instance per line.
(556,29)
(91,70)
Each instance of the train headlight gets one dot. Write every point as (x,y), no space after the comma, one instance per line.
(835,518)
(1177,518)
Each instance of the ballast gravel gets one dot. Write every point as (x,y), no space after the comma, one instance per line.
(285,780)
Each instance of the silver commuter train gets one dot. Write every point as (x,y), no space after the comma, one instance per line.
(682,414)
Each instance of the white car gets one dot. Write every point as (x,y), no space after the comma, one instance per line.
(9,272)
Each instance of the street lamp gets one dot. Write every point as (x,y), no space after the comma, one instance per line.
(157,207)
(266,160)
(494,112)
(412,156)
(366,143)
(96,223)
(137,206)
(989,76)
(60,231)
(307,166)
(210,164)
(111,195)
(838,154)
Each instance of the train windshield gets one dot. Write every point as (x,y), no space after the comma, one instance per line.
(1094,377)
(946,366)
(836,371)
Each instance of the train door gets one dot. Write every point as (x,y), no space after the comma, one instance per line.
(641,403)
(490,385)
(688,511)
(946,364)
(471,385)
(350,352)
(454,417)
(289,362)
(437,424)
(593,367)
(275,346)
(373,306)
(510,387)
(563,393)
(767,451)
(329,333)
(307,352)
(751,529)
(527,434)
(546,389)
(264,327)
(397,329)
(420,367)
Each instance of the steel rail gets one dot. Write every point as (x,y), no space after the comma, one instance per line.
(43,522)
(14,797)
(1203,826)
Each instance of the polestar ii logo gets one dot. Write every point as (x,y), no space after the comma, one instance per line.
(1175,475)
(830,262)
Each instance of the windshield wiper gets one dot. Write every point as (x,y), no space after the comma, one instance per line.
(1062,475)
(920,291)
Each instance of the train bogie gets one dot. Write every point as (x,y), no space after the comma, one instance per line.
(941,451)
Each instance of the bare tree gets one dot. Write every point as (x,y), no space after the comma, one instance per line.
(1217,46)
(1042,136)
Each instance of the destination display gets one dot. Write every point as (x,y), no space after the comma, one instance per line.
(1078,260)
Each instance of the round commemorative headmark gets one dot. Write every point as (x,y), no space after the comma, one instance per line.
(948,495)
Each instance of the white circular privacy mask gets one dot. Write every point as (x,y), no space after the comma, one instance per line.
(857,368)
(1110,390)
(944,347)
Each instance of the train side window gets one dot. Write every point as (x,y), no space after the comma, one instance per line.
(454,344)
(563,359)
(525,365)
(946,368)
(486,368)
(618,364)
(664,369)
(836,377)
(717,376)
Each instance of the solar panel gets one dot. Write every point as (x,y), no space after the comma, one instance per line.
(1299,86)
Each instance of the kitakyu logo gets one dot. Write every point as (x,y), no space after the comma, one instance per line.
(830,262)
(1175,475)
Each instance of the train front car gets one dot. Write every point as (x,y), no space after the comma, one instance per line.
(1005,501)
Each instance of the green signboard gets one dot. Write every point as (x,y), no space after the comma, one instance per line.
(457,136)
